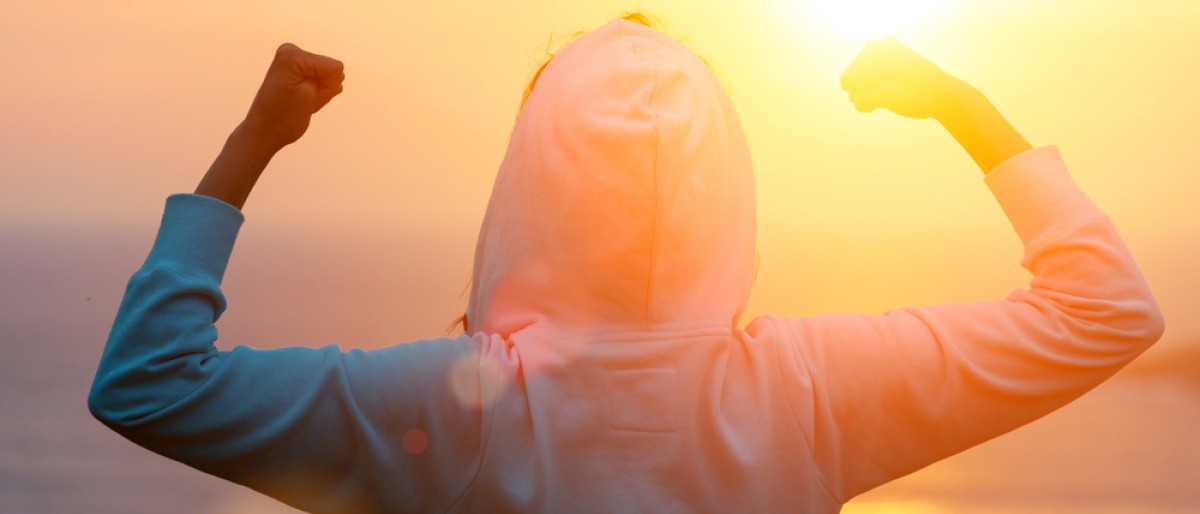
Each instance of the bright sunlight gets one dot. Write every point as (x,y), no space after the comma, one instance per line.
(871,18)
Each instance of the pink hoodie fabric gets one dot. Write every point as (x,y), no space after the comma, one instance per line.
(612,268)
(605,369)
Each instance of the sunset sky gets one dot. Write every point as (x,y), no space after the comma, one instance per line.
(111,106)
(362,233)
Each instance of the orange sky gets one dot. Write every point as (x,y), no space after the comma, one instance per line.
(362,233)
(371,218)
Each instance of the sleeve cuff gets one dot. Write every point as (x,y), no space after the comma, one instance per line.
(196,236)
(1038,195)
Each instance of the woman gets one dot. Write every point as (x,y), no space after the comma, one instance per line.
(603,366)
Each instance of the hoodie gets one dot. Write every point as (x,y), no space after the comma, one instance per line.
(605,368)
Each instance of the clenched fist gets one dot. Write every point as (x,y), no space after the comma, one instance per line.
(297,84)
(889,75)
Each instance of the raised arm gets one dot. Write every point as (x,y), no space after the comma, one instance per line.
(321,429)
(880,396)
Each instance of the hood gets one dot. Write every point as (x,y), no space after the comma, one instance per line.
(625,201)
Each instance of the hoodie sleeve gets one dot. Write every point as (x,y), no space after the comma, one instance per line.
(318,428)
(882,396)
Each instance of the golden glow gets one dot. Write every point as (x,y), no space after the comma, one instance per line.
(364,231)
(415,441)
(892,507)
(473,382)
(870,18)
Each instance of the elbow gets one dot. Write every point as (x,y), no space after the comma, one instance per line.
(103,404)
(98,403)
(127,393)
(1120,328)
(1142,319)
(1139,323)
(116,403)
(1152,324)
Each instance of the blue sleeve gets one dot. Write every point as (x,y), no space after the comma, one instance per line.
(318,428)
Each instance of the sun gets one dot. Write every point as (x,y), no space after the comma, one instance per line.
(871,18)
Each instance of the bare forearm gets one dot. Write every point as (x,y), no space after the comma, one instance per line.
(981,130)
(237,168)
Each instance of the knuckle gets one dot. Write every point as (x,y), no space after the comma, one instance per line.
(286,49)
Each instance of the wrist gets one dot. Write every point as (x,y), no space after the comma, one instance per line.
(960,102)
(254,136)
(238,166)
(981,130)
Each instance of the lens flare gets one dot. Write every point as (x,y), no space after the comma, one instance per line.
(870,18)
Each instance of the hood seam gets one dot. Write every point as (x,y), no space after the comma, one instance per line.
(657,200)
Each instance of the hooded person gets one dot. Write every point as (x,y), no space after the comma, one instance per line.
(604,368)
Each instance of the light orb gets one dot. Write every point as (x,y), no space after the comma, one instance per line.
(872,18)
